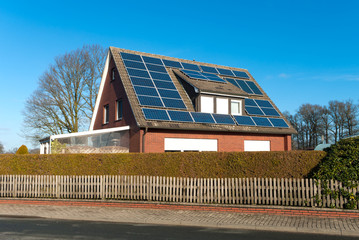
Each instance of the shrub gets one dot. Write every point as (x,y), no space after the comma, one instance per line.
(342,164)
(22,150)
(294,164)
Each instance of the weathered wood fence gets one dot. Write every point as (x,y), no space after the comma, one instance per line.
(259,191)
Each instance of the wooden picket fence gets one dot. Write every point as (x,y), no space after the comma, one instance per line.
(258,191)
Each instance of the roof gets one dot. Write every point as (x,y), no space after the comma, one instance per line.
(154,85)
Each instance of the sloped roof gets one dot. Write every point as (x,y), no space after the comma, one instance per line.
(128,73)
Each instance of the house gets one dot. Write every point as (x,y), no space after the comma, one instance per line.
(167,104)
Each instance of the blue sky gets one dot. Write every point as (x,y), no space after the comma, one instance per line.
(298,51)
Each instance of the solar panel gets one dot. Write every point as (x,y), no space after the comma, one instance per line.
(244,120)
(137,73)
(130,56)
(169,93)
(156,68)
(270,112)
(244,86)
(254,110)
(190,66)
(200,117)
(150,101)
(132,64)
(202,76)
(180,116)
(240,74)
(262,122)
(161,76)
(194,75)
(164,84)
(213,77)
(278,122)
(233,81)
(152,60)
(173,103)
(223,119)
(250,102)
(147,91)
(225,72)
(170,63)
(209,69)
(155,114)
(136,81)
(264,103)
(254,88)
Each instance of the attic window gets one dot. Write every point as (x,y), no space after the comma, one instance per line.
(106,114)
(119,109)
(113,75)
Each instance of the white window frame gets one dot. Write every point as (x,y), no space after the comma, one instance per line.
(239,105)
(106,114)
(119,109)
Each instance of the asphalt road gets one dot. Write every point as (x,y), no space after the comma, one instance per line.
(37,228)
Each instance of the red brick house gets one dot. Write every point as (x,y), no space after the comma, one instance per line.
(172,104)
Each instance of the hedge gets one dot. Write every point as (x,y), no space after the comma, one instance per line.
(293,164)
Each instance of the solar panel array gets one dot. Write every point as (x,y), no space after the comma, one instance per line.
(202,76)
(205,69)
(151,82)
(247,86)
(260,107)
(199,117)
(155,88)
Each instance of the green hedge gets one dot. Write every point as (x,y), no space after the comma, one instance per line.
(294,164)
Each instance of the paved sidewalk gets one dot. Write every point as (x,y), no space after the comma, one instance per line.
(256,218)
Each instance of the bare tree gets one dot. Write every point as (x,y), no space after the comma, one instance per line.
(336,109)
(311,117)
(65,97)
(326,124)
(350,113)
(1,148)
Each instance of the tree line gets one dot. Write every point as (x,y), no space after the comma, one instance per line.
(317,124)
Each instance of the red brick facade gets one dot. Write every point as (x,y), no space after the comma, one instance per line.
(227,142)
(153,139)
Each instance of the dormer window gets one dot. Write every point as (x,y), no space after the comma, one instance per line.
(222,105)
(236,107)
(207,104)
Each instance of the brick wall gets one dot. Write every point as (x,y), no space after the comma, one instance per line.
(227,142)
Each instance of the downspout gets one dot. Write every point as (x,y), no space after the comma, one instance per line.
(143,139)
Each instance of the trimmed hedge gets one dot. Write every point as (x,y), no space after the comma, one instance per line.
(22,150)
(294,164)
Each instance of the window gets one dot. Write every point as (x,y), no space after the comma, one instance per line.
(106,114)
(190,145)
(236,107)
(113,74)
(255,146)
(207,105)
(119,109)
(222,105)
